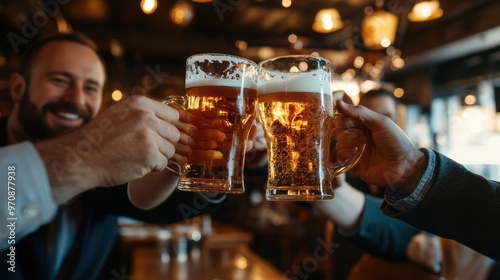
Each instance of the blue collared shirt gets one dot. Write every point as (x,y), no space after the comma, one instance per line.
(402,202)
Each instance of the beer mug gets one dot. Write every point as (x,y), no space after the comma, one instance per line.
(221,95)
(296,109)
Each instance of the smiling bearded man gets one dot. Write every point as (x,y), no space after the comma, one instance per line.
(58,88)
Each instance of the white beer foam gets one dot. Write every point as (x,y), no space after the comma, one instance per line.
(318,81)
(207,81)
(235,79)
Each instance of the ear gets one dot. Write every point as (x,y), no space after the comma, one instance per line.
(17,87)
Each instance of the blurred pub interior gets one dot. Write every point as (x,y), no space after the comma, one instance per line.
(443,66)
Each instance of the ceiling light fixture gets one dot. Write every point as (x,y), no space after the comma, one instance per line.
(327,20)
(425,11)
(148,6)
(378,29)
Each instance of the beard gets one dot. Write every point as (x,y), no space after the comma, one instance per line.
(34,121)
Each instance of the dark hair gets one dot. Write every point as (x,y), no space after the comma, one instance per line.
(30,53)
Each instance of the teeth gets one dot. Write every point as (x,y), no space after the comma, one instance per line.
(69,116)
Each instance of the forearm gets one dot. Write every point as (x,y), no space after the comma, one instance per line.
(66,169)
(456,204)
(152,189)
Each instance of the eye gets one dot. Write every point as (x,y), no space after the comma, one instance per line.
(60,80)
(91,89)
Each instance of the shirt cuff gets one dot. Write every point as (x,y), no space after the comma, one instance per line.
(402,202)
(30,195)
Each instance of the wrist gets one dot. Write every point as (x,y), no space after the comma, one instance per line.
(68,174)
(414,170)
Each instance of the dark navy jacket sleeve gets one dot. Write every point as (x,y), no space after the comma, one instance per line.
(179,206)
(459,205)
(380,235)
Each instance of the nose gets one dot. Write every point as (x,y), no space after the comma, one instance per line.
(75,94)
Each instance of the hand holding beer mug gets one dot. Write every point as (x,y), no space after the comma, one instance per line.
(296,110)
(221,93)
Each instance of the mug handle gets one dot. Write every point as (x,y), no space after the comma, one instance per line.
(173,101)
(346,165)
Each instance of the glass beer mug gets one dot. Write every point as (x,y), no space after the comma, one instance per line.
(221,95)
(296,109)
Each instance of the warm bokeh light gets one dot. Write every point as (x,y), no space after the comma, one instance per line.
(378,29)
(292,38)
(265,52)
(241,262)
(303,66)
(399,92)
(117,95)
(116,48)
(298,45)
(359,61)
(385,42)
(425,10)
(327,20)
(241,45)
(149,6)
(397,62)
(182,13)
(286,3)
(470,99)
(368,85)
(348,75)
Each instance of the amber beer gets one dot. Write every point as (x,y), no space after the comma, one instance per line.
(298,130)
(296,110)
(223,116)
(221,95)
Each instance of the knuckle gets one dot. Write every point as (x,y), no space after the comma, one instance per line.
(150,152)
(174,112)
(145,138)
(145,117)
(170,150)
(137,99)
(174,134)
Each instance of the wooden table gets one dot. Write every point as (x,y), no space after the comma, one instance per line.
(222,255)
(207,263)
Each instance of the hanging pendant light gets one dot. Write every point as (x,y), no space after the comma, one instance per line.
(148,6)
(425,11)
(182,13)
(327,20)
(378,29)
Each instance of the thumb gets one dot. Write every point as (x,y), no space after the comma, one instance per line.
(370,119)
